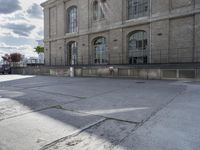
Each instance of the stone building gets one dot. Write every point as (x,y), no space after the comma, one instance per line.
(93,32)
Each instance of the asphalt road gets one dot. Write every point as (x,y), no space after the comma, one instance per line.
(48,113)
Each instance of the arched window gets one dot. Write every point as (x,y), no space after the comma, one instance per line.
(98,12)
(72,53)
(100,51)
(137,8)
(137,47)
(72,19)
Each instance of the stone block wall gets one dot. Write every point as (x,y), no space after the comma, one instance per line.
(145,73)
(172,27)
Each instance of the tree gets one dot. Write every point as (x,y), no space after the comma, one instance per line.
(39,49)
(16,57)
(6,58)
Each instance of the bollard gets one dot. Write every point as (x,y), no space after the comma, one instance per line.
(72,72)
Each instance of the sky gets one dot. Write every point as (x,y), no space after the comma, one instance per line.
(21,25)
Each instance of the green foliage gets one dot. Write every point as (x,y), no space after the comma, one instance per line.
(39,49)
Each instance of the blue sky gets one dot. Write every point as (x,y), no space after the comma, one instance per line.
(21,24)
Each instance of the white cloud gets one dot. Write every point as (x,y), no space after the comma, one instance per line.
(20,29)
(9,6)
(35,11)
(26,50)
(21,23)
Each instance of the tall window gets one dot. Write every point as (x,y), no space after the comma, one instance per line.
(98,12)
(72,19)
(137,47)
(100,51)
(72,53)
(137,8)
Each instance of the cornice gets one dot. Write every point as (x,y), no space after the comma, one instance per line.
(50,2)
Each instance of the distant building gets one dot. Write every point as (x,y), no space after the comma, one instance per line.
(121,31)
(41,58)
(32,60)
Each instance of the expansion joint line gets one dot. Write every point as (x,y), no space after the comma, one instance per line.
(77,132)
(152,115)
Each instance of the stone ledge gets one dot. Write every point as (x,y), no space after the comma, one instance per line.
(175,73)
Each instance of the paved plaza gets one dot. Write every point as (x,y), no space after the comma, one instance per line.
(60,113)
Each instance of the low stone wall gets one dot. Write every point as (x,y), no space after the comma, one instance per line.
(116,71)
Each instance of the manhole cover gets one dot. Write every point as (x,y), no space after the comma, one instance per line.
(140,82)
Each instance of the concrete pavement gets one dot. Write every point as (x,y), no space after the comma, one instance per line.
(41,112)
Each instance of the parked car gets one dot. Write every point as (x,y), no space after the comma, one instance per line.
(5,69)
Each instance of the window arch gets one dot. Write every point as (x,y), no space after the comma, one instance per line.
(72,53)
(100,50)
(72,19)
(137,47)
(137,8)
(98,12)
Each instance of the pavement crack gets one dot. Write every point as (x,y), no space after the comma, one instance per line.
(79,97)
(164,105)
(74,134)
(77,133)
(28,112)
(86,113)
(37,110)
(139,125)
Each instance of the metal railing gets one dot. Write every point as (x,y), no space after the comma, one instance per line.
(146,57)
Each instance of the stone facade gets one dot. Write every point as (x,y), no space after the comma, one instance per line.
(172,28)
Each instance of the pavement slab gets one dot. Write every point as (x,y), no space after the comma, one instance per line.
(17,102)
(76,90)
(103,136)
(20,81)
(43,112)
(33,131)
(135,103)
(6,78)
(176,127)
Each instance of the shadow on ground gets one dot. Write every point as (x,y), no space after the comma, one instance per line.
(38,110)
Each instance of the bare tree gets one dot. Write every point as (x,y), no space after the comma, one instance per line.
(6,58)
(16,57)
